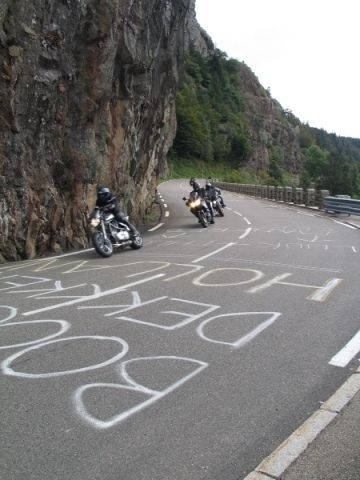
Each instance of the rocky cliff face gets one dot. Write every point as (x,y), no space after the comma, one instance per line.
(269,130)
(87,98)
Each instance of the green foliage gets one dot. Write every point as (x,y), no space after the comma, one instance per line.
(305,179)
(306,136)
(213,134)
(276,165)
(211,123)
(316,162)
(193,134)
(331,171)
(188,168)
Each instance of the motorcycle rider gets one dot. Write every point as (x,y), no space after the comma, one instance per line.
(108,202)
(214,192)
(202,193)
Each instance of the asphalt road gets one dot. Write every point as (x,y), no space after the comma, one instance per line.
(192,358)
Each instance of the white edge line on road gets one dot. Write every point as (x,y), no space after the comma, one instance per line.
(156,227)
(280,459)
(343,357)
(245,234)
(345,224)
(213,253)
(241,215)
(167,213)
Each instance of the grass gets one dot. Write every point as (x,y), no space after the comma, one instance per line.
(182,168)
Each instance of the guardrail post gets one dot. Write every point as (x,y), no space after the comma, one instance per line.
(320,195)
(298,196)
(271,192)
(310,197)
(288,194)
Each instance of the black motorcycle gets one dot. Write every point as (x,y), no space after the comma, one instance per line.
(108,233)
(197,206)
(218,209)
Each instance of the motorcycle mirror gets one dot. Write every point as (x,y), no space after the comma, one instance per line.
(184,198)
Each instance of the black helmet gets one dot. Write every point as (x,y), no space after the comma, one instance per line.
(208,184)
(104,194)
(192,180)
(196,185)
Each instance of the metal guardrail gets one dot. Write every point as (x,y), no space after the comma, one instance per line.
(342,204)
(298,196)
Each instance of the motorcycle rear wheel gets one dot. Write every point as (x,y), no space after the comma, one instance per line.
(102,245)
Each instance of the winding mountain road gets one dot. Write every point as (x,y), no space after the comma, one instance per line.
(192,358)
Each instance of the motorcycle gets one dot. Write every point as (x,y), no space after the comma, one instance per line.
(218,209)
(197,206)
(107,233)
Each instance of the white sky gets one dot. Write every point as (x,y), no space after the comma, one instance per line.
(307,52)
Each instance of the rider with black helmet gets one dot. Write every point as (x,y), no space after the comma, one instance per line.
(213,192)
(107,201)
(201,191)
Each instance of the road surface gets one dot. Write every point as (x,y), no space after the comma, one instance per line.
(192,358)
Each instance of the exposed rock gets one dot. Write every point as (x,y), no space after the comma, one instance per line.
(196,36)
(87,98)
(268,125)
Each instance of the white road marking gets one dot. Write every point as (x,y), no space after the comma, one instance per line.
(68,254)
(213,253)
(95,296)
(247,231)
(199,281)
(131,385)
(241,215)
(352,348)
(240,342)
(321,292)
(156,227)
(7,370)
(345,224)
(64,327)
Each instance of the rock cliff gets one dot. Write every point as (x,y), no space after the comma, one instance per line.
(270,131)
(87,97)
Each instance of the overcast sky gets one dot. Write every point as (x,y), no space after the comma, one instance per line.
(307,52)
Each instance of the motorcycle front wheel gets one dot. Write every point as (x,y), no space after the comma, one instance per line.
(220,210)
(202,218)
(137,242)
(102,245)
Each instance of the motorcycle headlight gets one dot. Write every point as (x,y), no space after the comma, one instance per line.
(94,222)
(196,203)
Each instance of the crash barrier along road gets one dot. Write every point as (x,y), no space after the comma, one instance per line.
(342,204)
(194,357)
